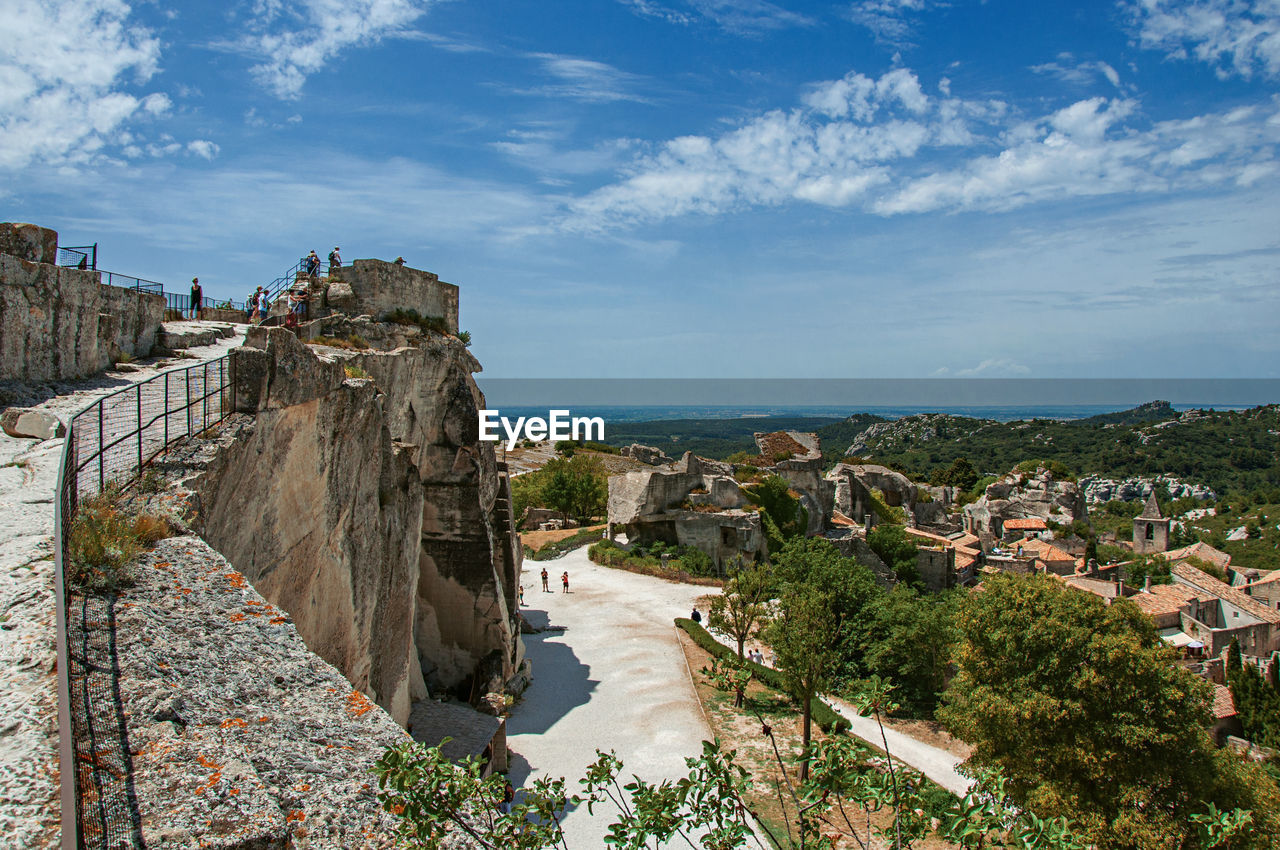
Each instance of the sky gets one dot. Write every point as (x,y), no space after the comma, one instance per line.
(691,188)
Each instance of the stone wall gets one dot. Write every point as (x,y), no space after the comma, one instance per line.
(58,323)
(376,287)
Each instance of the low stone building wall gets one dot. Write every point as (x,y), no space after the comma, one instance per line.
(376,287)
(58,323)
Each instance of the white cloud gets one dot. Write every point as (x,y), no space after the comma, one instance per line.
(745,17)
(877,144)
(296,38)
(582,79)
(990,368)
(1234,36)
(1067,69)
(65,66)
(203,148)
(892,22)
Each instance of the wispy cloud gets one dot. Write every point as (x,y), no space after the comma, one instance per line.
(66,69)
(1068,69)
(892,22)
(745,17)
(582,79)
(1234,36)
(293,39)
(874,144)
(995,367)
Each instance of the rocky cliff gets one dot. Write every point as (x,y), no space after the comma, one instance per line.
(368,510)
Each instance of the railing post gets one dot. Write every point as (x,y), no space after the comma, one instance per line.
(204,420)
(67,773)
(186,379)
(102,472)
(166,410)
(138,406)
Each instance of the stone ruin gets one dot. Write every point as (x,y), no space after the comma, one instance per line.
(646,454)
(1020,496)
(696,503)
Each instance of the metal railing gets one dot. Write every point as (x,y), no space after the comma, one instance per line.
(86,257)
(108,444)
(79,256)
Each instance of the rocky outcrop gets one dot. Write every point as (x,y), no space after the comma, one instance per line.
(241,736)
(798,460)
(58,323)
(370,512)
(855,483)
(697,503)
(646,454)
(29,242)
(1021,495)
(1098,489)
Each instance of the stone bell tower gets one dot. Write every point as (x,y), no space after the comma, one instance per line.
(1150,530)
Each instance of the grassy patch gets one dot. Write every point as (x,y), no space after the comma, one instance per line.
(428,324)
(352,342)
(690,566)
(556,548)
(354,370)
(105,538)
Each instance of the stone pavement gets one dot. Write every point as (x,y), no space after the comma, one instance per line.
(28,683)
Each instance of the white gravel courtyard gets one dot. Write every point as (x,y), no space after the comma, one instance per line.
(615,678)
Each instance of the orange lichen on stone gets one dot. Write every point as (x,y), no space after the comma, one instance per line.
(358,704)
(236,617)
(275,621)
(233,721)
(296,815)
(236,580)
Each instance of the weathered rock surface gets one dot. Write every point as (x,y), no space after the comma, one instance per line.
(269,748)
(178,335)
(1018,496)
(802,469)
(646,454)
(29,242)
(378,287)
(1098,489)
(37,424)
(854,484)
(58,323)
(695,504)
(369,510)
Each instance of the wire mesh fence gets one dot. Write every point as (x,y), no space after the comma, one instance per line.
(108,445)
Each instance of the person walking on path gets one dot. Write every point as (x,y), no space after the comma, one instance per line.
(520,597)
(565,579)
(697,618)
(335,260)
(508,797)
(545,587)
(197,298)
(313,268)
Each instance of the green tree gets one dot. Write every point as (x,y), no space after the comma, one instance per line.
(804,635)
(960,474)
(1086,712)
(912,639)
(577,486)
(742,609)
(897,549)
(775,498)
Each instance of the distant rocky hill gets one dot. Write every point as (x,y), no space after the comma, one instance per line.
(1224,451)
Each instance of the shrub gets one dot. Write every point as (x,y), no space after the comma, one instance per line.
(354,370)
(465,338)
(557,548)
(105,539)
(678,568)
(428,324)
(823,714)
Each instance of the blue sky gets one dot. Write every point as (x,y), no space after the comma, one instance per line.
(693,188)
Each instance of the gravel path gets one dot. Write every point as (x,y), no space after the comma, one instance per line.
(28,682)
(934,762)
(615,678)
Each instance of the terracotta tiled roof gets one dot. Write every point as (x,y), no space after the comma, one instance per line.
(1163,599)
(1202,581)
(1203,551)
(1034,523)
(1223,705)
(1045,551)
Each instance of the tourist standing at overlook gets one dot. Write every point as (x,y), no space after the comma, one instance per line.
(335,260)
(197,298)
(313,267)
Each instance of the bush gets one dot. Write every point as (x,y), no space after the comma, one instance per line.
(105,539)
(679,568)
(558,548)
(428,324)
(826,717)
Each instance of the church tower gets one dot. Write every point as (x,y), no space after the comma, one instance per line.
(1150,530)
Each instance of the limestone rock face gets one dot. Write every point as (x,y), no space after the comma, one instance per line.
(370,512)
(1019,496)
(854,483)
(58,323)
(646,454)
(29,242)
